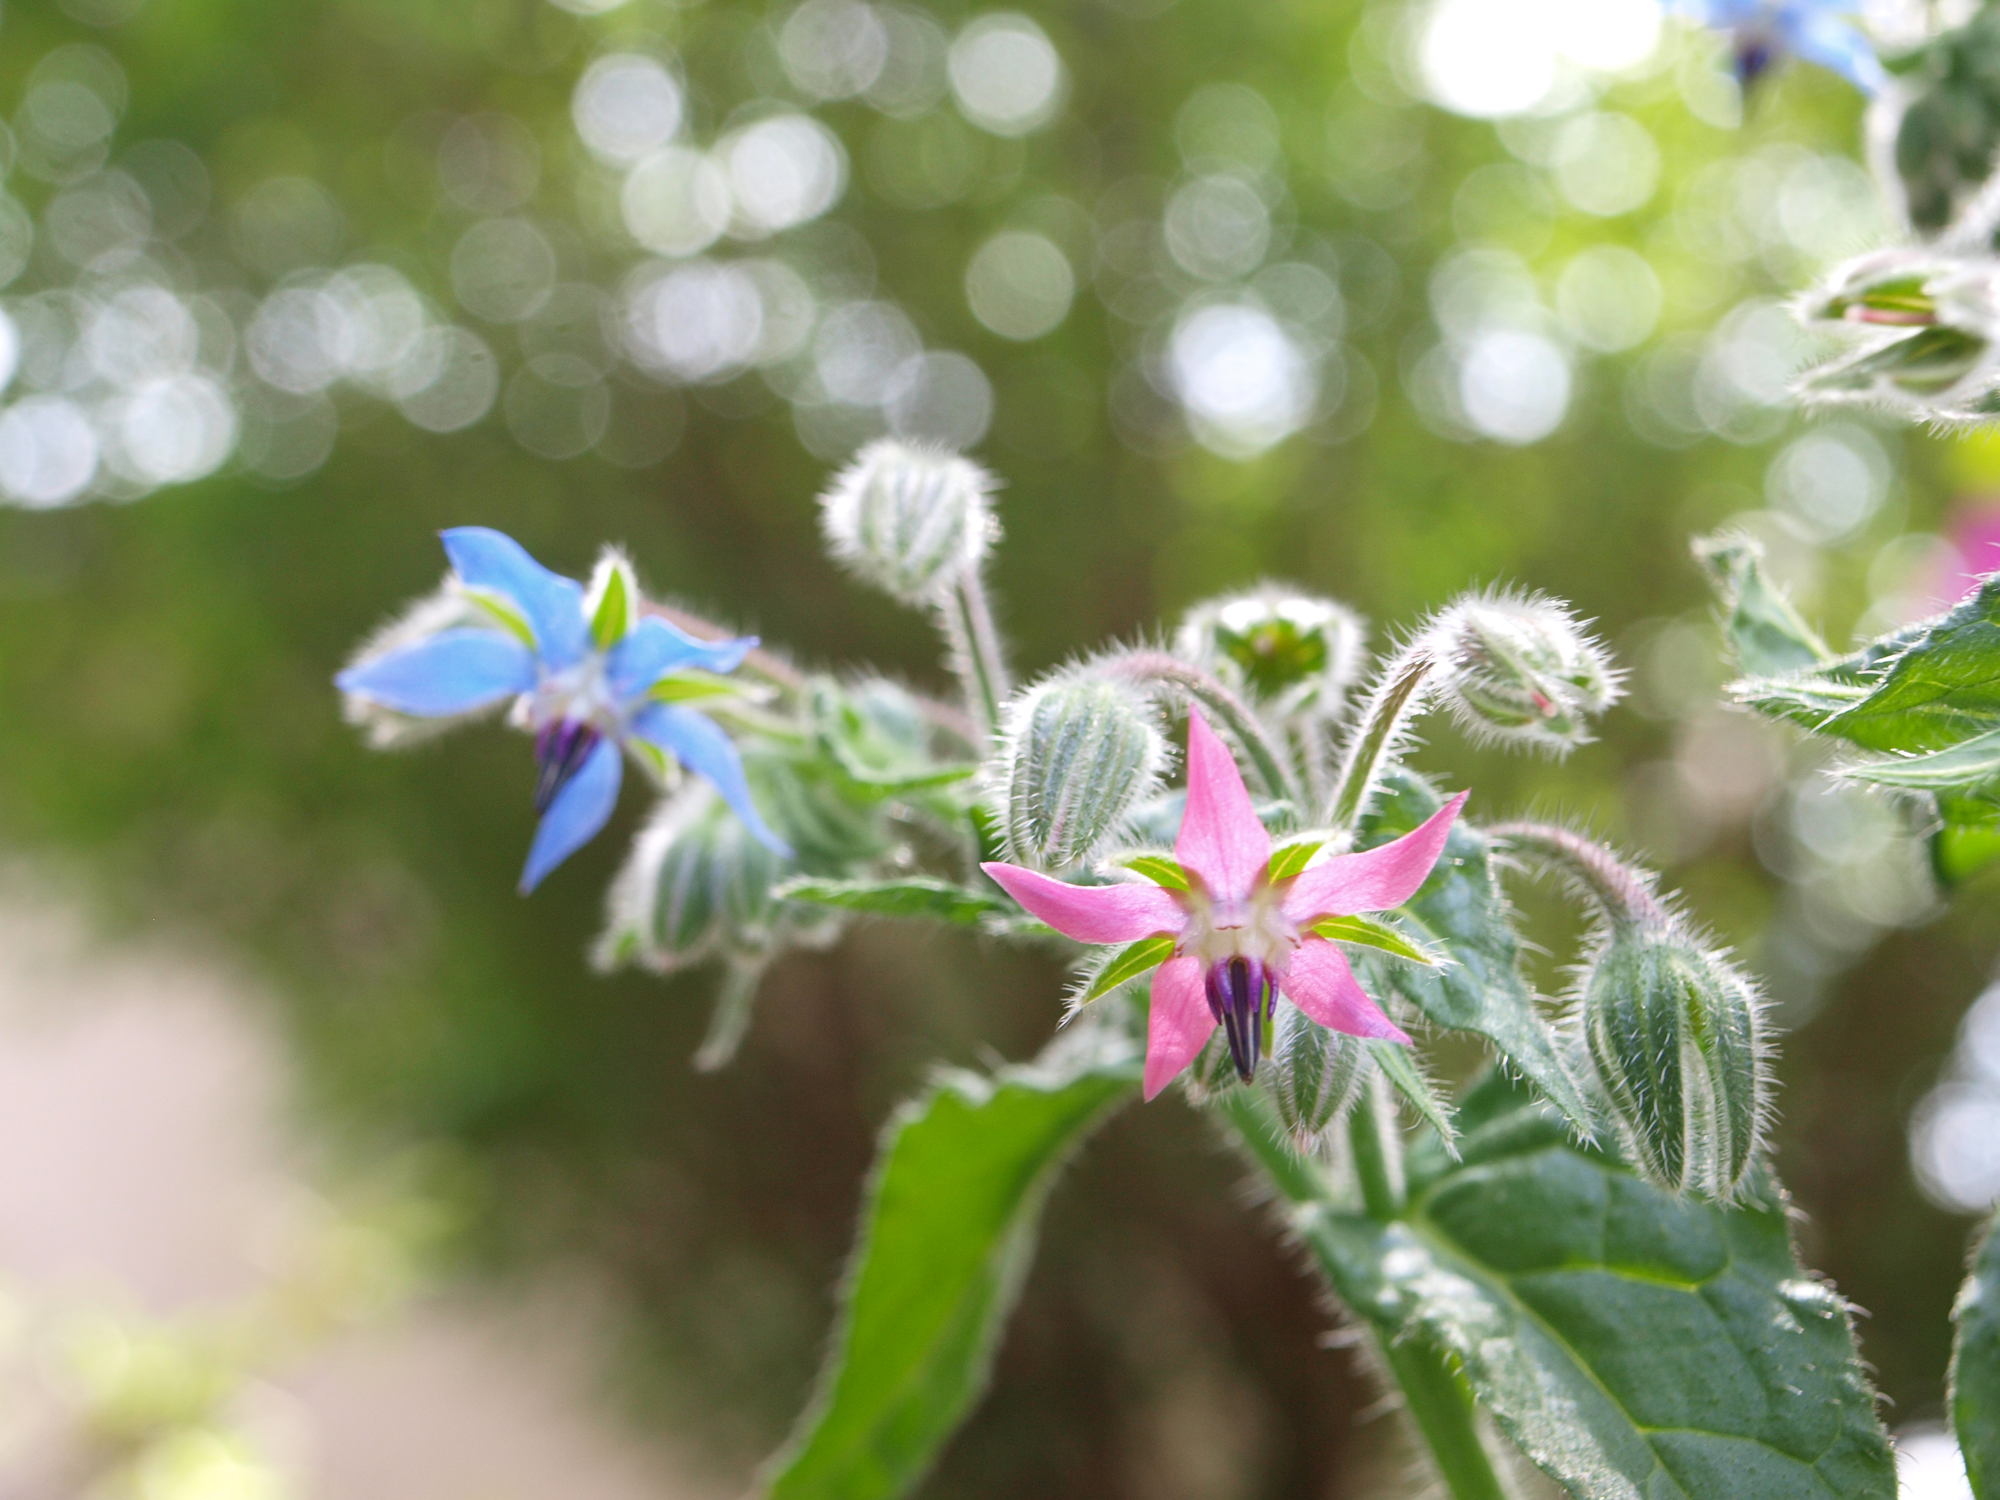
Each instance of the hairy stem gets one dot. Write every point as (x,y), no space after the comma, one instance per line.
(1396,700)
(1441,1408)
(783,675)
(1439,1402)
(1159,670)
(1371,1160)
(1624,894)
(976,656)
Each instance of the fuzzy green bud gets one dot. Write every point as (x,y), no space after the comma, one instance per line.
(911,521)
(1078,754)
(1314,1077)
(1291,650)
(1521,669)
(1675,1036)
(1930,368)
(1911,288)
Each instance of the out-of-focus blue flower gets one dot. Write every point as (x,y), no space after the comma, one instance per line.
(588,675)
(1762,31)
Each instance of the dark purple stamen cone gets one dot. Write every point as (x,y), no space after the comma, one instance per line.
(1754,56)
(561,749)
(1239,996)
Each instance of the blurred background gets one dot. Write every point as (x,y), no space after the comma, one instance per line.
(335,1171)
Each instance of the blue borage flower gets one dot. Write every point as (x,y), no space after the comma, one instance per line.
(589,676)
(1762,31)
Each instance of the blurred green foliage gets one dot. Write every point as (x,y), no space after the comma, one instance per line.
(168,727)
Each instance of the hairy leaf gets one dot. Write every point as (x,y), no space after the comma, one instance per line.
(1941,689)
(916,896)
(1462,911)
(1975,1368)
(1400,1068)
(948,1231)
(1635,1346)
(1766,633)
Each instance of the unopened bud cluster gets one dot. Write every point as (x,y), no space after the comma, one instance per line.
(1294,651)
(1521,669)
(1674,1036)
(1079,752)
(912,521)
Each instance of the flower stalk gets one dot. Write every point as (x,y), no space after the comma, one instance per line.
(1440,1405)
(1157,669)
(1399,697)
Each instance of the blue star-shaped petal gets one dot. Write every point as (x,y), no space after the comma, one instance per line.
(582,673)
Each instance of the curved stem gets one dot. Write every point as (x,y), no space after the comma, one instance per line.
(976,656)
(1371,1160)
(1624,894)
(1395,701)
(1441,1406)
(782,674)
(1157,669)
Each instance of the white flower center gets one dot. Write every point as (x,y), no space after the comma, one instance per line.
(579,694)
(1255,928)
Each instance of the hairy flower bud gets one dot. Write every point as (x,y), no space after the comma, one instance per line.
(1929,371)
(1292,650)
(1078,754)
(1911,288)
(1520,668)
(1674,1034)
(1315,1075)
(912,521)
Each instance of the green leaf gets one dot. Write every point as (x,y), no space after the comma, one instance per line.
(1462,911)
(613,619)
(1971,767)
(1940,689)
(1961,850)
(1158,869)
(1399,1066)
(1293,858)
(1633,1345)
(948,1232)
(1975,1368)
(1370,933)
(916,896)
(1128,963)
(1766,633)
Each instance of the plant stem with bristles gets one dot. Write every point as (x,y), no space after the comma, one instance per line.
(1624,894)
(1398,698)
(1157,669)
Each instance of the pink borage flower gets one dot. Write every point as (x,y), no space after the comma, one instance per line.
(1242,931)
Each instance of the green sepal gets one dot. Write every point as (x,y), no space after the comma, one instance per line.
(612,620)
(502,611)
(1373,934)
(1127,964)
(1159,869)
(1292,859)
(916,896)
(694,686)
